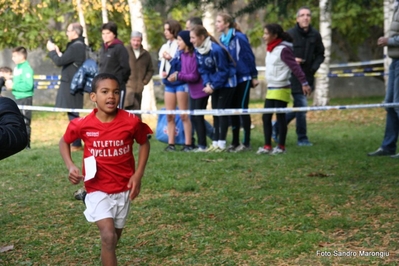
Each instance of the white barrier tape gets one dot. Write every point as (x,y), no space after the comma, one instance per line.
(223,112)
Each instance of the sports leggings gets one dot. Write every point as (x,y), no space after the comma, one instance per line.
(267,122)
(221,99)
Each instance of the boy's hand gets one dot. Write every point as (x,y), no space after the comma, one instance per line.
(134,185)
(74,175)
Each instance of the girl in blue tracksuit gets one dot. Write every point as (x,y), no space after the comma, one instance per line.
(217,70)
(247,76)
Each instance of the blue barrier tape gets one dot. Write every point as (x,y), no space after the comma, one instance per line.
(349,75)
(357,70)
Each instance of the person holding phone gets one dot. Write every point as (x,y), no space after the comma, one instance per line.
(70,60)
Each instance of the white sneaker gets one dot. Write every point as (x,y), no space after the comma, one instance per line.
(212,149)
(200,150)
(242,147)
(277,150)
(262,150)
(218,149)
(231,148)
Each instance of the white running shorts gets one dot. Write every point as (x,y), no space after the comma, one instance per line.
(100,205)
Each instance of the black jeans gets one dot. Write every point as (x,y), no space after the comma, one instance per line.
(241,100)
(199,120)
(267,122)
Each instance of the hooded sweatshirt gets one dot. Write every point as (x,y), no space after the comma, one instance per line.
(114,59)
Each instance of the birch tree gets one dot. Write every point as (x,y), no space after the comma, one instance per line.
(104,11)
(137,24)
(82,20)
(209,17)
(321,93)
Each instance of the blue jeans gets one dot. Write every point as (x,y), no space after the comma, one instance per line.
(392,96)
(299,101)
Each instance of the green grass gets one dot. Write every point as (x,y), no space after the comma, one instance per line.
(217,209)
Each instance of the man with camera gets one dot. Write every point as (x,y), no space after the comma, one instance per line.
(70,60)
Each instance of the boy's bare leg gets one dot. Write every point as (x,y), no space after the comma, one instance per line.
(109,239)
(118,233)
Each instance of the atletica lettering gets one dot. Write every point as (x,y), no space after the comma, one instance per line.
(380,254)
(110,152)
(107,143)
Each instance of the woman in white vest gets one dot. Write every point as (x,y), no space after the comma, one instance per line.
(280,62)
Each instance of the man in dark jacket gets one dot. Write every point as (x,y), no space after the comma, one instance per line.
(141,71)
(70,60)
(13,134)
(309,54)
(389,143)
(114,58)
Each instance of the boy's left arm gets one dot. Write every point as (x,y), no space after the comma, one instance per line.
(135,181)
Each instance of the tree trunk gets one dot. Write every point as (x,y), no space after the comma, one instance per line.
(208,17)
(104,11)
(148,101)
(388,12)
(82,20)
(321,93)
(209,23)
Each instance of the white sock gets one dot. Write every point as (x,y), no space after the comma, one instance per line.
(214,143)
(222,144)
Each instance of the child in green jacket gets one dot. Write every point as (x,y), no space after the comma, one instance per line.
(22,87)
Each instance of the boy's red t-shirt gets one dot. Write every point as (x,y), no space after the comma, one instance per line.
(111,145)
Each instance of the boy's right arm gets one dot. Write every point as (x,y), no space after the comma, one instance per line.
(65,150)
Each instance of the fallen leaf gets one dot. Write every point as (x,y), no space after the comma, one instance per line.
(6,248)
(324,244)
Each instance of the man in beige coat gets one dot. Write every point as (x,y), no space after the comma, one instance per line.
(141,71)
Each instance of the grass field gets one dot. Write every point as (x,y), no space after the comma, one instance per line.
(328,204)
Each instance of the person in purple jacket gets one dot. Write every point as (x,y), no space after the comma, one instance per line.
(189,73)
(180,97)
(280,62)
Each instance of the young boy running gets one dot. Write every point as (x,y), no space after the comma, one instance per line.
(111,179)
